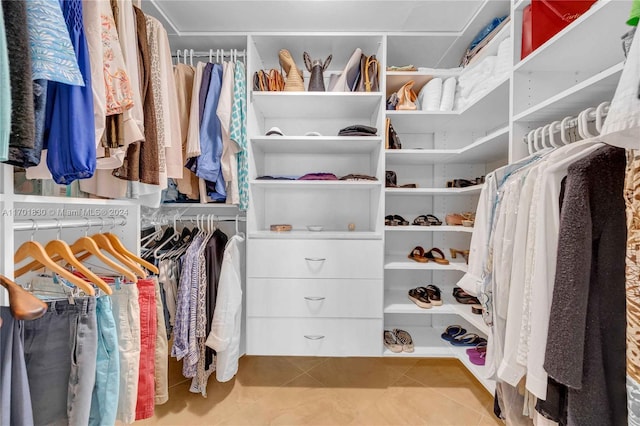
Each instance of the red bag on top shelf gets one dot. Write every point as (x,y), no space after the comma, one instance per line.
(545,18)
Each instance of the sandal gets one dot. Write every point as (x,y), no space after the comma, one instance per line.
(433,221)
(463,297)
(441,259)
(420,297)
(469,339)
(463,253)
(452,332)
(417,254)
(401,221)
(390,221)
(434,294)
(391,343)
(404,338)
(480,347)
(421,221)
(454,219)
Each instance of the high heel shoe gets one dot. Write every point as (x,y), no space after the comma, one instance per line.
(407,97)
(463,253)
(294,82)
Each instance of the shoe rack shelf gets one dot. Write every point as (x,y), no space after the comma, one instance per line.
(440,228)
(398,262)
(316,104)
(469,190)
(489,148)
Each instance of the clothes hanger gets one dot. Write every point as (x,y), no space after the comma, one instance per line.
(601,114)
(563,131)
(63,251)
(543,136)
(105,244)
(210,55)
(239,233)
(24,305)
(174,237)
(178,56)
(553,128)
(35,250)
(191,57)
(530,147)
(585,123)
(117,244)
(535,139)
(185,54)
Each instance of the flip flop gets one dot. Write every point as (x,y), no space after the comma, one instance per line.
(434,294)
(452,332)
(469,339)
(401,221)
(478,359)
(433,221)
(417,254)
(440,259)
(421,221)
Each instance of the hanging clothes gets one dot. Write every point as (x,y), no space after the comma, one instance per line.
(184,76)
(16,406)
(5,93)
(238,132)
(226,323)
(228,159)
(22,112)
(70,124)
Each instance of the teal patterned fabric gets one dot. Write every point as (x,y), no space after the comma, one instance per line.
(5,93)
(52,55)
(238,132)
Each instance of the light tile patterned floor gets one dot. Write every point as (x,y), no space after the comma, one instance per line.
(332,391)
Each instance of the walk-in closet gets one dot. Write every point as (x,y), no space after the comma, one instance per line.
(319,212)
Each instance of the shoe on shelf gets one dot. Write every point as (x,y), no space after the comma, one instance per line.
(434,294)
(463,297)
(420,297)
(391,343)
(453,331)
(417,254)
(427,220)
(454,219)
(404,338)
(436,255)
(294,81)
(463,253)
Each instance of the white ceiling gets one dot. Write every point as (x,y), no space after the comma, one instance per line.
(206,16)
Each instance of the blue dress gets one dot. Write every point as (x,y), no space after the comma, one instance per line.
(70,126)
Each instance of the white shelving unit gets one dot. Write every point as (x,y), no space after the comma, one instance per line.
(469,190)
(404,264)
(437,228)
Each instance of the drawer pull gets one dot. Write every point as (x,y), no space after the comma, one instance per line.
(313,337)
(314,298)
(315,259)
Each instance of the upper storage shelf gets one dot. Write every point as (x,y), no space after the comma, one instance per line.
(487,113)
(595,34)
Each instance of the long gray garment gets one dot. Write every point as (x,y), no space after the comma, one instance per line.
(586,340)
(15,399)
(60,351)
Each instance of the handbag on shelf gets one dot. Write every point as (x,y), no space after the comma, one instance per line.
(407,97)
(275,81)
(369,74)
(260,82)
(392,140)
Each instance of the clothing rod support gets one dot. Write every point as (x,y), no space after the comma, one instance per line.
(38,225)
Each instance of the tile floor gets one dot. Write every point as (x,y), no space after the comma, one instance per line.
(332,391)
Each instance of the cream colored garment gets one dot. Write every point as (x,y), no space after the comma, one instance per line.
(128,37)
(169,95)
(229,160)
(193,135)
(104,184)
(184,75)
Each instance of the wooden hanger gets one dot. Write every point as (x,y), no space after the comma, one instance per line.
(117,244)
(35,250)
(105,244)
(62,249)
(24,305)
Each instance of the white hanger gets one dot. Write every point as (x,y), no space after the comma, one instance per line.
(178,56)
(601,113)
(530,142)
(563,130)
(584,123)
(174,237)
(210,55)
(535,139)
(545,131)
(191,57)
(553,128)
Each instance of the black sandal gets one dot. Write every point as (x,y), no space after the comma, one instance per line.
(433,221)
(421,221)
(400,220)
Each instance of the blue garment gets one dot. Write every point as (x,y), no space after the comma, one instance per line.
(211,135)
(70,122)
(238,132)
(104,401)
(52,54)
(5,93)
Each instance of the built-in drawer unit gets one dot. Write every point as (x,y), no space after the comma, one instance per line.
(295,297)
(314,336)
(315,259)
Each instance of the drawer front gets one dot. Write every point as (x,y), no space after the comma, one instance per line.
(290,297)
(315,259)
(314,337)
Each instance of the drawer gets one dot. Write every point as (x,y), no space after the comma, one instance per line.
(314,336)
(290,297)
(315,259)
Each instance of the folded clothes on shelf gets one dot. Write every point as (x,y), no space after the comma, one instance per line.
(319,176)
(401,68)
(358,130)
(353,176)
(277,177)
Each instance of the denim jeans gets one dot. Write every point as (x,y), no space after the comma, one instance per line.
(60,353)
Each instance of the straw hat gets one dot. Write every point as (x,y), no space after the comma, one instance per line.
(294,81)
